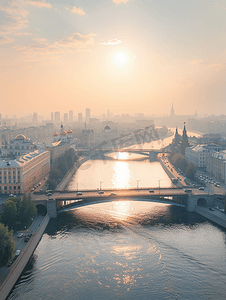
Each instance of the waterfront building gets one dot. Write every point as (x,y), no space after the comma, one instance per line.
(198,155)
(22,174)
(216,165)
(16,147)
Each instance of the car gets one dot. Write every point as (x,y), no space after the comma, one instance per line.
(210,208)
(101,192)
(9,263)
(51,198)
(79,194)
(20,234)
(113,194)
(218,185)
(188,190)
(222,210)
(151,191)
(49,194)
(17,253)
(26,239)
(201,188)
(39,183)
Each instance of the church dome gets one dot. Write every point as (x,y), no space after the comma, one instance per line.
(63,133)
(20,137)
(55,134)
(69,130)
(107,128)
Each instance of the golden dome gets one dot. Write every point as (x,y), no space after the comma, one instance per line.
(55,134)
(69,130)
(20,137)
(63,133)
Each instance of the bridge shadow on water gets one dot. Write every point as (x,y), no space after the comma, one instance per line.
(101,218)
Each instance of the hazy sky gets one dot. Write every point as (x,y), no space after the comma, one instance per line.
(123,55)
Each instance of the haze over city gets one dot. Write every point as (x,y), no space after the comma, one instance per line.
(124,55)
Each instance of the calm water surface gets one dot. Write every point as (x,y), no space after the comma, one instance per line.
(127,250)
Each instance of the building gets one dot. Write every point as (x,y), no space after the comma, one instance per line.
(216,165)
(87,138)
(87,115)
(71,117)
(66,118)
(16,147)
(172,113)
(184,141)
(197,155)
(57,117)
(35,118)
(22,174)
(80,117)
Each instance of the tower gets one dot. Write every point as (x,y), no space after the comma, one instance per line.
(172,114)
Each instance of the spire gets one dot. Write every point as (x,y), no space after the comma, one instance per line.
(184,133)
(172,111)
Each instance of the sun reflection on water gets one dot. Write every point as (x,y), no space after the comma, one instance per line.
(121,175)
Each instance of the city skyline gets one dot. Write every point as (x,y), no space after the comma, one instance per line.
(122,55)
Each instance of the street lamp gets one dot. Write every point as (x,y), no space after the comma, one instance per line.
(138,184)
(159,185)
(77,186)
(100,184)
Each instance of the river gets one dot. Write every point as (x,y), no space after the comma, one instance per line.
(126,249)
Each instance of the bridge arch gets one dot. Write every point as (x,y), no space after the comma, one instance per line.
(41,209)
(82,202)
(202,202)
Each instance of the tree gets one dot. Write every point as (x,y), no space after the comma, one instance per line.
(9,213)
(190,170)
(179,161)
(7,245)
(27,210)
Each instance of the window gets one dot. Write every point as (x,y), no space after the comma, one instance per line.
(5,188)
(14,187)
(18,187)
(10,187)
(10,181)
(18,172)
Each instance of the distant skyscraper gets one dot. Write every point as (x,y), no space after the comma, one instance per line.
(35,118)
(87,115)
(52,116)
(80,117)
(65,117)
(70,116)
(57,117)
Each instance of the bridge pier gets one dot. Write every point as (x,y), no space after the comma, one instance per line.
(152,155)
(51,206)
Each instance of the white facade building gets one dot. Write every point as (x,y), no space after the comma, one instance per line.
(197,155)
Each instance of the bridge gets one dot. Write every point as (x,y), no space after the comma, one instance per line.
(175,196)
(151,153)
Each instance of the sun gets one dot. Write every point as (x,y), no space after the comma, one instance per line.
(121,58)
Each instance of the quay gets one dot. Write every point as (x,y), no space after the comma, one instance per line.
(18,266)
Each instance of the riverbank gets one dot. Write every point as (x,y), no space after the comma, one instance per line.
(215,216)
(27,249)
(64,182)
(170,171)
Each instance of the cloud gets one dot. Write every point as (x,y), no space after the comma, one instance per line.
(112,42)
(13,7)
(5,40)
(12,22)
(77,40)
(39,3)
(120,1)
(76,10)
(197,62)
